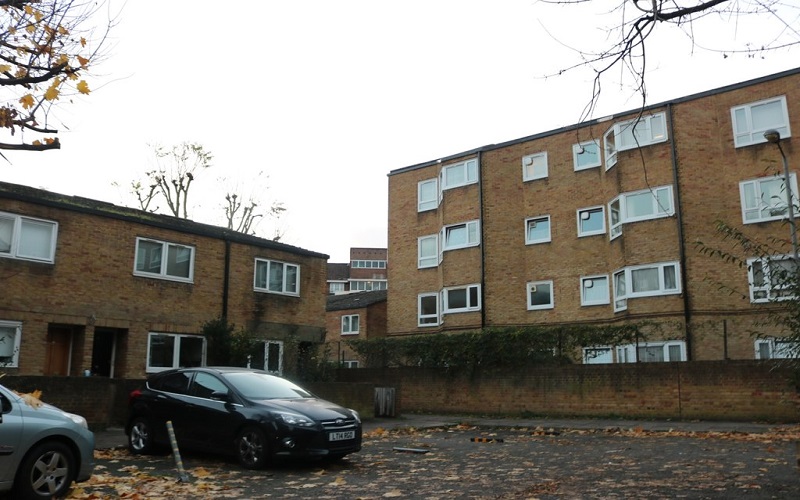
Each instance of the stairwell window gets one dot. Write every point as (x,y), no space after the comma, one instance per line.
(750,121)
(272,276)
(462,299)
(764,199)
(428,309)
(537,230)
(428,195)
(586,155)
(459,174)
(630,134)
(540,295)
(27,238)
(165,260)
(461,235)
(534,166)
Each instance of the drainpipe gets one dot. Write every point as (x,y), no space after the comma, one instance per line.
(483,240)
(687,313)
(226,279)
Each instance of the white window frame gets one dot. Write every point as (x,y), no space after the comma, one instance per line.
(533,286)
(619,207)
(284,283)
(534,166)
(176,351)
(470,304)
(751,197)
(350,324)
(598,280)
(535,221)
(17,243)
(425,204)
(428,260)
(368,285)
(336,287)
(9,348)
(350,363)
(745,133)
(468,170)
(623,290)
(424,320)
(777,348)
(473,236)
(628,353)
(630,134)
(163,261)
(762,286)
(607,356)
(580,151)
(587,211)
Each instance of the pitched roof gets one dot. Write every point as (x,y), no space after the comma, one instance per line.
(355,300)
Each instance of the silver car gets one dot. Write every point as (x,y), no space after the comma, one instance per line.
(42,449)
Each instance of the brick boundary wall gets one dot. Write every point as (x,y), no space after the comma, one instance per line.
(699,390)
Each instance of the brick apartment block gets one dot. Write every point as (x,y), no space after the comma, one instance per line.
(599,223)
(90,287)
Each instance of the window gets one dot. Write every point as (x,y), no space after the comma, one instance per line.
(772,279)
(537,230)
(591,221)
(534,167)
(777,348)
(367,285)
(428,251)
(335,287)
(368,264)
(639,206)
(26,238)
(428,309)
(349,364)
(269,357)
(650,352)
(277,277)
(168,350)
(460,174)
(427,195)
(10,335)
(350,324)
(597,355)
(160,259)
(586,155)
(631,134)
(461,235)
(205,385)
(765,199)
(750,121)
(462,299)
(594,290)
(645,281)
(540,295)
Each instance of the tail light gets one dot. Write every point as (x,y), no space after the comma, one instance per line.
(133,395)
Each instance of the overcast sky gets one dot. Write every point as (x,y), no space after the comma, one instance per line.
(326,97)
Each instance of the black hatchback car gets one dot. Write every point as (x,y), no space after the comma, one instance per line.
(248,413)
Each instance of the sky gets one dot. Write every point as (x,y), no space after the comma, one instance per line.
(311,103)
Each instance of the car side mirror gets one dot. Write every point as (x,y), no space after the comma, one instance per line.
(221,396)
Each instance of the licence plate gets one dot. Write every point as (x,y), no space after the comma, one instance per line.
(341,436)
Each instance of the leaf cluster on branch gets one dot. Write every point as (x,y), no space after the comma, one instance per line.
(45,49)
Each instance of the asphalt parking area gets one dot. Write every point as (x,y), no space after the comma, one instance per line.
(471,462)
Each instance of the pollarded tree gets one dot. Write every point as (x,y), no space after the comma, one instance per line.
(724,27)
(46,46)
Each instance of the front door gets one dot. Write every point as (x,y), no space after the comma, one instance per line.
(59,347)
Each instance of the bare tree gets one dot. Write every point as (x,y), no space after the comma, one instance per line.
(171,179)
(637,21)
(243,210)
(46,46)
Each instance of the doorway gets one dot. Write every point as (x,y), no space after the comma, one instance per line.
(104,351)
(58,351)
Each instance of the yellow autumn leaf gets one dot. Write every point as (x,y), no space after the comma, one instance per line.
(62,30)
(12,30)
(30,28)
(84,61)
(62,59)
(37,142)
(38,15)
(27,101)
(28,9)
(52,92)
(83,42)
(4,68)
(51,140)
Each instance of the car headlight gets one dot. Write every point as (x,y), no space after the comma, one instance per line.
(295,419)
(77,419)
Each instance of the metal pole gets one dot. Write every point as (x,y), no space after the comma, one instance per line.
(774,137)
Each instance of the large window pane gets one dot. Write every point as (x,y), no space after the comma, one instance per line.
(6,234)
(178,261)
(162,349)
(148,256)
(36,239)
(644,280)
(275,277)
(457,299)
(191,352)
(291,279)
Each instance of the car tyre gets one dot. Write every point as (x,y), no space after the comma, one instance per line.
(140,437)
(46,472)
(252,448)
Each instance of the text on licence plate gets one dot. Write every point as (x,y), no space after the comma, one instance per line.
(341,436)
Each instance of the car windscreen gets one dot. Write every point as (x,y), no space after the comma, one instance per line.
(262,386)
